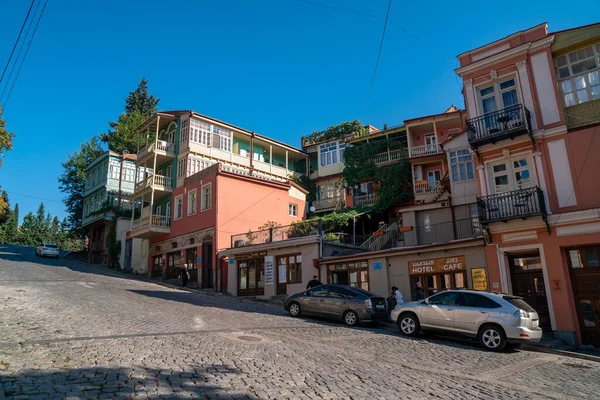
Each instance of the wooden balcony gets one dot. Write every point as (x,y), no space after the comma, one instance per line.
(501,207)
(164,151)
(162,185)
(147,227)
(425,150)
(390,156)
(365,200)
(499,125)
(327,203)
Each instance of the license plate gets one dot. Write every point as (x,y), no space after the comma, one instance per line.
(535,323)
(379,306)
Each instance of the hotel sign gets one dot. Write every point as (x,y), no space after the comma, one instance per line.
(247,256)
(437,265)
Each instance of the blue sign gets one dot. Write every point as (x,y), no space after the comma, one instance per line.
(199,259)
(377,265)
(231,261)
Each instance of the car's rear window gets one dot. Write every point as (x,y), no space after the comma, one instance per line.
(51,246)
(363,291)
(519,303)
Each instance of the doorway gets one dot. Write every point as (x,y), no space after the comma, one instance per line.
(207,264)
(251,281)
(527,279)
(433,177)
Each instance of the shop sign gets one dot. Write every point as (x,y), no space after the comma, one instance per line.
(437,265)
(479,278)
(248,256)
(377,265)
(269,262)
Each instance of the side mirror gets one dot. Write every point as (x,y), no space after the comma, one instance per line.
(425,302)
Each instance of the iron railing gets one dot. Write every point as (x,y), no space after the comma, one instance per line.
(439,233)
(520,203)
(499,125)
(365,200)
(278,233)
(328,202)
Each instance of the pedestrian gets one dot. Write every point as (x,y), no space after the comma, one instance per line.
(314,282)
(419,293)
(397,295)
(184,275)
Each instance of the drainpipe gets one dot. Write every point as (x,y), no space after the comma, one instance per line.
(120,180)
(453,217)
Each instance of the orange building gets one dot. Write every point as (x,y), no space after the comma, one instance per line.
(533,100)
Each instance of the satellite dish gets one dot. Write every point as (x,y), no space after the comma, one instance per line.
(312,208)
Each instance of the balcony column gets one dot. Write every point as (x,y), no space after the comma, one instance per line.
(482,185)
(470,99)
(437,140)
(251,152)
(526,91)
(271,157)
(408,141)
(286,162)
(541,178)
(389,157)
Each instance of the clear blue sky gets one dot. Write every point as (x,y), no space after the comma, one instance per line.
(280,67)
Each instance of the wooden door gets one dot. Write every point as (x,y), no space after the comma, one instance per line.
(530,285)
(282,275)
(588,310)
(207,265)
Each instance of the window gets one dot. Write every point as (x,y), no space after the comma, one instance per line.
(222,138)
(293,210)
(196,165)
(129,174)
(113,171)
(319,291)
(475,219)
(181,168)
(426,223)
(178,207)
(184,132)
(477,300)
(158,210)
(169,171)
(498,96)
(332,153)
(511,175)
(206,197)
(200,132)
(444,299)
(584,257)
(579,75)
(191,206)
(293,264)
(461,162)
(168,209)
(340,293)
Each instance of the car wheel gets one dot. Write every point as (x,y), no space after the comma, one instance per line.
(409,325)
(294,309)
(492,338)
(351,318)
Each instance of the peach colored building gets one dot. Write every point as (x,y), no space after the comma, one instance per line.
(533,100)
(207,180)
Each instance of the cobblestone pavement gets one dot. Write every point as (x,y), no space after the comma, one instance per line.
(69,331)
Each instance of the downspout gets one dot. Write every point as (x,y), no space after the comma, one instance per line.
(120,180)
(217,267)
(453,217)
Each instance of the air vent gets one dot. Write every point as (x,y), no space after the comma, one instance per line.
(444,204)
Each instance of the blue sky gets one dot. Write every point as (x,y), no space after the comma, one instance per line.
(282,68)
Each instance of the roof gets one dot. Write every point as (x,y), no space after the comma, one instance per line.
(451,110)
(501,39)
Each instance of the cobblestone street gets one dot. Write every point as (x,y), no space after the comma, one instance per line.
(69,331)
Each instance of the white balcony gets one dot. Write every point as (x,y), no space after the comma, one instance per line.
(164,151)
(161,185)
(390,156)
(365,200)
(426,191)
(147,227)
(426,150)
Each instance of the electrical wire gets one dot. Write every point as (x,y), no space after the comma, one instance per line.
(379,53)
(25,55)
(17,41)
(30,196)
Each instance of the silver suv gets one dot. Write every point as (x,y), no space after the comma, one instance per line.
(494,319)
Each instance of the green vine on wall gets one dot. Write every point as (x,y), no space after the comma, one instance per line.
(391,180)
(342,131)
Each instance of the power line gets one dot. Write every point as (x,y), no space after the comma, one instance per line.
(12,69)
(379,53)
(17,41)
(25,55)
(338,9)
(30,196)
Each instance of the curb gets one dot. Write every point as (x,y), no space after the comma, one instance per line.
(171,286)
(564,353)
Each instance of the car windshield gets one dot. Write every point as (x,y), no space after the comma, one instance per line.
(51,246)
(519,303)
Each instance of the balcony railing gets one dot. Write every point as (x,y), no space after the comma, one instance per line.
(329,202)
(390,156)
(425,150)
(365,200)
(157,221)
(427,186)
(498,125)
(160,146)
(521,203)
(439,233)
(300,229)
(158,181)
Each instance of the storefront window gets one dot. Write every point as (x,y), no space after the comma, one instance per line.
(354,274)
(459,279)
(243,271)
(584,257)
(291,268)
(527,263)
(431,276)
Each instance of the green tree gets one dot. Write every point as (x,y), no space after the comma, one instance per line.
(4,206)
(9,228)
(72,182)
(6,138)
(139,105)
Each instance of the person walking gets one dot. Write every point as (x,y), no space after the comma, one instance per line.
(314,282)
(397,295)
(184,275)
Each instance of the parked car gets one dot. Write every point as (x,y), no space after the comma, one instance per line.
(47,249)
(350,304)
(494,319)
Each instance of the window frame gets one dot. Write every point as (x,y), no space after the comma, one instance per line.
(181,168)
(296,266)
(444,293)
(497,93)
(331,153)
(572,77)
(203,201)
(583,258)
(510,172)
(293,210)
(178,202)
(458,158)
(192,206)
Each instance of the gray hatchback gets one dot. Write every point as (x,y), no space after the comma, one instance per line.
(349,304)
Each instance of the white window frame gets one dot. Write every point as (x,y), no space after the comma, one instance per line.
(458,158)
(157,210)
(427,223)
(225,138)
(328,154)
(206,204)
(181,168)
(512,184)
(168,209)
(589,78)
(178,209)
(293,210)
(498,92)
(169,171)
(192,201)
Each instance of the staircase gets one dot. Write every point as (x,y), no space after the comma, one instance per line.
(437,191)
(381,241)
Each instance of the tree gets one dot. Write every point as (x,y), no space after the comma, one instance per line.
(9,228)
(4,206)
(6,138)
(72,182)
(139,105)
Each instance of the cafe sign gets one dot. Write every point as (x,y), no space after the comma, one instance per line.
(247,256)
(437,265)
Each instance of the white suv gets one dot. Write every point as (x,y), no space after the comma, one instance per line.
(47,249)
(494,319)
